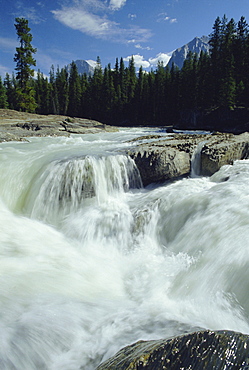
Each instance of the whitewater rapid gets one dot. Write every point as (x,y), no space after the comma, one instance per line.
(91,261)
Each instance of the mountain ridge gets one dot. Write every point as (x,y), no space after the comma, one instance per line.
(196,45)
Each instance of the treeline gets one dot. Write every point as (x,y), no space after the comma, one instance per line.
(120,95)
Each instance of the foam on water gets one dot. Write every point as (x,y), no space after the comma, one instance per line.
(86,272)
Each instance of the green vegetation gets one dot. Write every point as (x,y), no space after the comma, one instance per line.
(24,91)
(219,79)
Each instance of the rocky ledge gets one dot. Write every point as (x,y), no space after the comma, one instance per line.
(200,350)
(170,157)
(18,126)
(158,158)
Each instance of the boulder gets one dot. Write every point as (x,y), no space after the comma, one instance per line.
(200,350)
(164,158)
(223,149)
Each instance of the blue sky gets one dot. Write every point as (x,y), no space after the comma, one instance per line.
(66,30)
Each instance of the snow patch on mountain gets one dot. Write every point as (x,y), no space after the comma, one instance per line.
(197,45)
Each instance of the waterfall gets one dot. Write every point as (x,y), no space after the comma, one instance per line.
(91,261)
(196,160)
(66,185)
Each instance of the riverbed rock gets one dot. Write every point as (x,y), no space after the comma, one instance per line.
(169,157)
(165,158)
(223,149)
(200,350)
(18,126)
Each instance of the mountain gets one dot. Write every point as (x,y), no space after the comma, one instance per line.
(196,46)
(83,67)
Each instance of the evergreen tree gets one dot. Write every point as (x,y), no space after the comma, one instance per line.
(84,102)
(74,92)
(227,92)
(159,94)
(3,95)
(96,101)
(215,47)
(42,94)
(11,86)
(109,95)
(139,97)
(204,76)
(24,61)
(131,79)
(241,54)
(122,83)
(54,100)
(62,89)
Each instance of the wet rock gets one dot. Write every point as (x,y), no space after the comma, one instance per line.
(200,350)
(165,159)
(170,157)
(223,149)
(157,166)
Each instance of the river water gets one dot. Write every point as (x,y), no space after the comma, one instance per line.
(91,261)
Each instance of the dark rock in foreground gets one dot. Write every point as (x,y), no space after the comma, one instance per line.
(214,350)
(170,157)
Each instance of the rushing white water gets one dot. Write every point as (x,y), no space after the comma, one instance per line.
(91,261)
(196,160)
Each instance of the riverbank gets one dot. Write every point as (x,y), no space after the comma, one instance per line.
(18,126)
(158,158)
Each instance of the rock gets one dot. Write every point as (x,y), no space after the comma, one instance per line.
(223,149)
(157,166)
(19,125)
(170,157)
(200,350)
(165,159)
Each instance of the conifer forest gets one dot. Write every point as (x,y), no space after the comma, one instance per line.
(120,95)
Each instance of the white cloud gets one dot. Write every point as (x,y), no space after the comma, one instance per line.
(138,61)
(161,57)
(117,4)
(85,22)
(152,62)
(138,46)
(92,18)
(163,17)
(29,13)
(132,16)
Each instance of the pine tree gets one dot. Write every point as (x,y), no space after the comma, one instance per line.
(24,61)
(62,88)
(227,92)
(54,101)
(215,47)
(241,55)
(84,102)
(204,76)
(3,95)
(11,86)
(42,94)
(96,101)
(159,93)
(74,92)
(109,95)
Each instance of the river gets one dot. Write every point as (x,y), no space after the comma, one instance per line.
(91,261)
